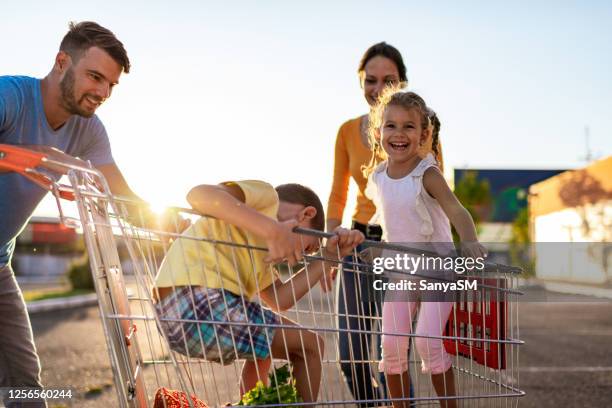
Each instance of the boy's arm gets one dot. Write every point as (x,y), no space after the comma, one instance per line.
(283,295)
(460,218)
(227,203)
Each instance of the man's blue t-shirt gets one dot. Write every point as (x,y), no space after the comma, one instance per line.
(23,122)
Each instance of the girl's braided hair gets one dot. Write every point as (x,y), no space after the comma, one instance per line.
(435,136)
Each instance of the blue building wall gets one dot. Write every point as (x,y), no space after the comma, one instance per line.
(508,189)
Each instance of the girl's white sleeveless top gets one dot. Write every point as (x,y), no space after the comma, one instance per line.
(404,209)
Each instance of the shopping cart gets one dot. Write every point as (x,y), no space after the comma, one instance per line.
(125,254)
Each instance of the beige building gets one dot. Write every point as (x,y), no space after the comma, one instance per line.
(571,224)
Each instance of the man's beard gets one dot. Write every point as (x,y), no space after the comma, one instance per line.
(69,102)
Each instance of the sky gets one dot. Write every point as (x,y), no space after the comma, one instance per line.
(257,90)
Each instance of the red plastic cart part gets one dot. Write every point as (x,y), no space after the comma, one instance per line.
(480,317)
(24,162)
(128,338)
(19,159)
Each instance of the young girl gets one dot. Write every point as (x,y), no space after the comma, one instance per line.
(414,205)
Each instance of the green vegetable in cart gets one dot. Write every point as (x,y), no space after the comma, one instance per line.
(281,390)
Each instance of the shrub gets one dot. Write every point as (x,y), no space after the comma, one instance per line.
(79,274)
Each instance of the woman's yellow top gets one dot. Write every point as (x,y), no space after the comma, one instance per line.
(350,155)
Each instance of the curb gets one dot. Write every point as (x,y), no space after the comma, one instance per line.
(530,283)
(49,305)
(576,289)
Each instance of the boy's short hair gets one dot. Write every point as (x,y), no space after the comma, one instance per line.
(298,194)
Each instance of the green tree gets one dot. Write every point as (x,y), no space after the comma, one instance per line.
(520,243)
(520,228)
(475,195)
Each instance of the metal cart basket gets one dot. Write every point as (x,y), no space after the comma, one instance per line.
(125,254)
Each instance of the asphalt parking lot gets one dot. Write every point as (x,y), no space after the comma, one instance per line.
(566,361)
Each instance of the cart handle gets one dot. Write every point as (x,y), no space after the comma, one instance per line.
(24,162)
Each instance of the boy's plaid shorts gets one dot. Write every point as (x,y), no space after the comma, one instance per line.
(206,338)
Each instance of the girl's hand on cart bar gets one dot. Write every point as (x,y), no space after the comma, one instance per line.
(473,249)
(283,243)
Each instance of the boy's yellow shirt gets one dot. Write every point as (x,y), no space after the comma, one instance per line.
(240,270)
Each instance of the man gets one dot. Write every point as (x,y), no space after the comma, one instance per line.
(55,112)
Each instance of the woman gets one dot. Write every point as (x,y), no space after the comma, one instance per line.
(380,66)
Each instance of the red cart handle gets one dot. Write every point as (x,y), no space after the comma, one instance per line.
(24,162)
(19,159)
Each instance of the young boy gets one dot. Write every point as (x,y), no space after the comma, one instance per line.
(204,279)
